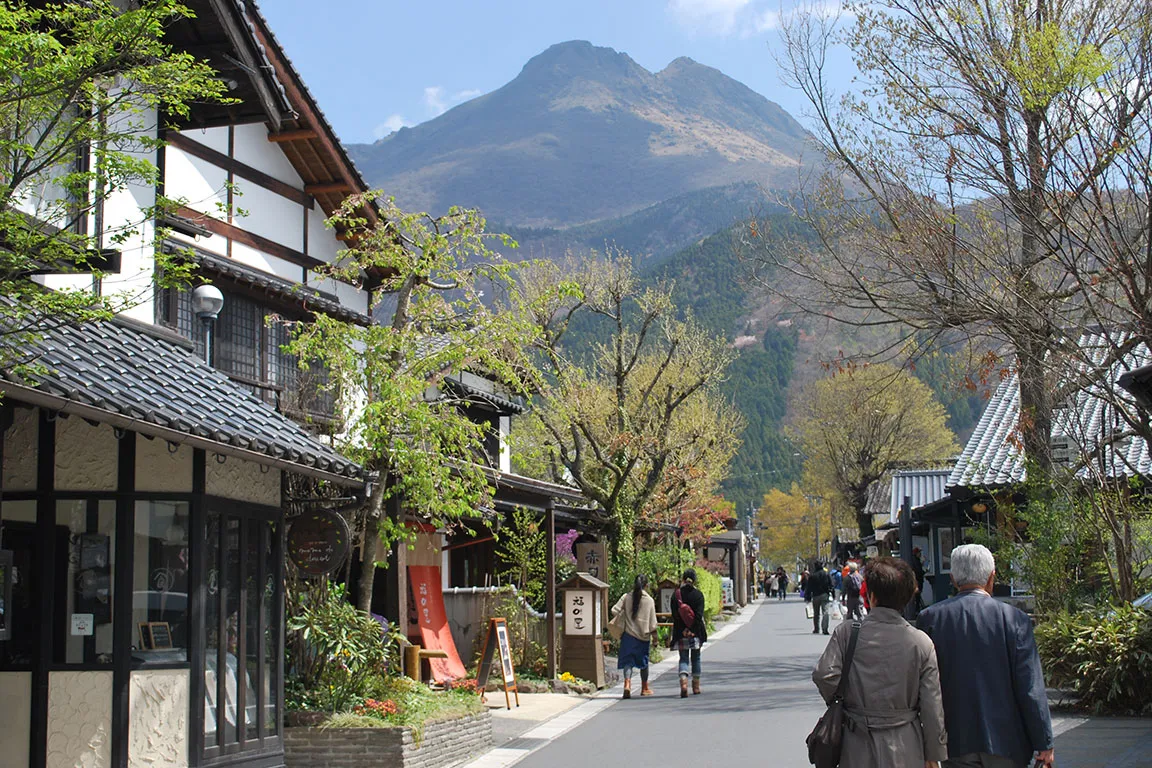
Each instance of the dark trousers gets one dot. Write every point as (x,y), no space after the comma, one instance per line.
(820,610)
(854,608)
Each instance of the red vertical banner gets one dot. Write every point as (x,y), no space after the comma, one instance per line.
(428,602)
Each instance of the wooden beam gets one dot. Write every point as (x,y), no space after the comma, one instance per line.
(243,170)
(251,239)
(301,134)
(327,187)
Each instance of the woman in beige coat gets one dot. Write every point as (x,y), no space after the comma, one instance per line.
(894,716)
(635,613)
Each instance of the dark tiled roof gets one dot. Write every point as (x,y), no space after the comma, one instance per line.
(1084,428)
(310,298)
(498,403)
(120,368)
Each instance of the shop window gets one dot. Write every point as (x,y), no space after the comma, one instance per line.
(160,582)
(18,536)
(85,555)
(242,641)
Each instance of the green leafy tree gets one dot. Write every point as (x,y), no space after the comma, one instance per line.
(88,84)
(522,551)
(858,422)
(635,420)
(401,424)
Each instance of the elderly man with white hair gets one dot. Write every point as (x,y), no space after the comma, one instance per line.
(995,706)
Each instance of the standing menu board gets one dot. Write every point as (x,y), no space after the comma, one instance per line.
(496,640)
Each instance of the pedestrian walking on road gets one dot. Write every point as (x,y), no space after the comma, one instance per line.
(804,586)
(635,612)
(837,583)
(995,704)
(892,704)
(820,593)
(782,579)
(688,630)
(852,591)
(773,584)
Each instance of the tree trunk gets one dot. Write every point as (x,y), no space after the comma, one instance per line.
(368,556)
(1035,423)
(368,563)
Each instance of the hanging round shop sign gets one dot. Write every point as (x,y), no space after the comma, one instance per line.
(318,542)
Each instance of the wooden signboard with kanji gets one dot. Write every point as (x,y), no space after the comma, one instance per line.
(497,642)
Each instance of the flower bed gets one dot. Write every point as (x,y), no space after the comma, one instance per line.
(440,743)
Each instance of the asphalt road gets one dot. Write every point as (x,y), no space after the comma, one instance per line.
(758,704)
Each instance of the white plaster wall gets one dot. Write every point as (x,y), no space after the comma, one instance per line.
(132,286)
(505,450)
(86,456)
(252,147)
(269,215)
(349,295)
(158,469)
(16,704)
(322,242)
(271,264)
(243,480)
(20,443)
(158,719)
(199,183)
(79,719)
(216,138)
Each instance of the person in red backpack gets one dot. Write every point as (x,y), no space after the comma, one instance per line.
(688,630)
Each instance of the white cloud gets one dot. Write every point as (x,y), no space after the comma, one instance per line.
(391,125)
(712,16)
(439,101)
(746,17)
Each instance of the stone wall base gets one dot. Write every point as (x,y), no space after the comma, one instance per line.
(443,744)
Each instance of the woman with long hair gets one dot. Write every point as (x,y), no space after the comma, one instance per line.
(689,633)
(635,612)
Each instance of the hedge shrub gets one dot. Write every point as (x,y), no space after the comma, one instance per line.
(709,583)
(1105,659)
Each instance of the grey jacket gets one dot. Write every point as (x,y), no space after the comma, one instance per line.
(994,697)
(893,705)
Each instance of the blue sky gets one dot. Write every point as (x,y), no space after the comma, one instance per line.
(375,65)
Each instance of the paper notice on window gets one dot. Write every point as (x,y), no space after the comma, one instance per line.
(83,624)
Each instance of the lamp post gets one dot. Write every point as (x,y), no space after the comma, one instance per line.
(206,303)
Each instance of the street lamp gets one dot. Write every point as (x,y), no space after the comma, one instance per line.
(207,302)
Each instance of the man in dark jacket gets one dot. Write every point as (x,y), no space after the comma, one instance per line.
(820,590)
(995,706)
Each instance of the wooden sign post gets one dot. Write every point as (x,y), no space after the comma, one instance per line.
(496,641)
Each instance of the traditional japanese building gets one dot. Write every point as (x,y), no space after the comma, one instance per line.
(145,471)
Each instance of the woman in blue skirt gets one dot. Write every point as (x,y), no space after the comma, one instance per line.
(635,612)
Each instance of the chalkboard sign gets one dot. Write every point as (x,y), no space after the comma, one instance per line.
(5,595)
(155,635)
(496,640)
(319,542)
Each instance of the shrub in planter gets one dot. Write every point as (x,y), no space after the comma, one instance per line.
(1104,658)
(334,651)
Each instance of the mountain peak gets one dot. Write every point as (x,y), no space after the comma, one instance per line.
(580,58)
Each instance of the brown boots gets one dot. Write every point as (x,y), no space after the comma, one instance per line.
(696,686)
(627,689)
(683,686)
(645,690)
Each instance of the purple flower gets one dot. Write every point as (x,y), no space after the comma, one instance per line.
(564,542)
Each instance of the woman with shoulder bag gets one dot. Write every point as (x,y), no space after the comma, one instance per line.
(688,630)
(893,714)
(634,616)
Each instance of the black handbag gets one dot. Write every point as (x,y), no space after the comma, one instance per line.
(827,738)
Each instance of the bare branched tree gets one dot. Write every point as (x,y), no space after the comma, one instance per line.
(979,131)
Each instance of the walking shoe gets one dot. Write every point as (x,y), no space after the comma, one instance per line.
(695,686)
(815,631)
(825,631)
(683,687)
(645,690)
(627,689)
